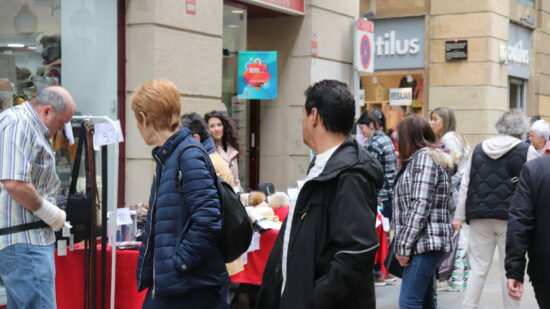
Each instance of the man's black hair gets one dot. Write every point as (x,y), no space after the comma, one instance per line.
(196,125)
(334,103)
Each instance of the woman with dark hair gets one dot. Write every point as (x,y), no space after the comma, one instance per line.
(421,215)
(380,146)
(226,139)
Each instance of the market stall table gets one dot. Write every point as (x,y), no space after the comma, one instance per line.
(256,260)
(70,280)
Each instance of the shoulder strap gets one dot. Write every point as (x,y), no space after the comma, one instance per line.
(179,176)
(77,159)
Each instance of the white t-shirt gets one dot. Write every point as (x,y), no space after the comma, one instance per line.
(320,163)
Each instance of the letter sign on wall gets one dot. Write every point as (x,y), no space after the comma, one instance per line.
(399,43)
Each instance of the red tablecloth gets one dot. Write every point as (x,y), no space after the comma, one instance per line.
(70,280)
(382,251)
(256,260)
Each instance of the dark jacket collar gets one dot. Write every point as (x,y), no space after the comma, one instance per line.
(163,152)
(350,156)
(209,145)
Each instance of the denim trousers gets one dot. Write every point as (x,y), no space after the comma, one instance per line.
(417,287)
(28,272)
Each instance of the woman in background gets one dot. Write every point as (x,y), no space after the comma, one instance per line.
(443,123)
(379,145)
(227,142)
(421,215)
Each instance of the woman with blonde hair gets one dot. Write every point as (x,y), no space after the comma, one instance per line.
(443,124)
(179,261)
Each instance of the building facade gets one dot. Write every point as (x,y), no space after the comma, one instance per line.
(507,62)
(313,42)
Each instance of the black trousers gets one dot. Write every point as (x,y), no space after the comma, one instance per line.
(542,293)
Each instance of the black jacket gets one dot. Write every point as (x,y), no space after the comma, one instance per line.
(333,239)
(529,223)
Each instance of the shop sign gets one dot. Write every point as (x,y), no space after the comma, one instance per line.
(401,96)
(291,7)
(456,50)
(191,7)
(517,52)
(399,43)
(257,75)
(363,51)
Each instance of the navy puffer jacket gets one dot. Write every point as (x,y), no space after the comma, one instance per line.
(172,261)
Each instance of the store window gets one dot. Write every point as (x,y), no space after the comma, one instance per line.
(60,42)
(377,94)
(517,98)
(527,3)
(234,40)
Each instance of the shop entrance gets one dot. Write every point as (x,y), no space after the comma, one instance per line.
(517,90)
(377,94)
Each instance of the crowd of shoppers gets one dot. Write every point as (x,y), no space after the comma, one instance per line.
(324,254)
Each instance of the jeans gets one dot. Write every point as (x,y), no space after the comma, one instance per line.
(28,272)
(541,293)
(387,208)
(417,287)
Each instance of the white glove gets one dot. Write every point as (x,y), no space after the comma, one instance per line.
(52,215)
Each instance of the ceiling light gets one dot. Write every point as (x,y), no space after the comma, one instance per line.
(16,45)
(233,26)
(237,11)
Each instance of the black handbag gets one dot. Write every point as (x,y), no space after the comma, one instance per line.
(77,206)
(391,263)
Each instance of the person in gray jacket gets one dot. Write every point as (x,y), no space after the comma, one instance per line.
(486,189)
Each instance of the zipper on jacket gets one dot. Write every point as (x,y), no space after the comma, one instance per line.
(151,226)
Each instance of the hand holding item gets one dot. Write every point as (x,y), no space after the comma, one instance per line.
(52,215)
(457,224)
(402,259)
(515,289)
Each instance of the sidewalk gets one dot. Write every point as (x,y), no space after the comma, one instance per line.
(387,296)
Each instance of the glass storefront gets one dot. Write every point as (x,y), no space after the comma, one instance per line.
(60,42)
(234,40)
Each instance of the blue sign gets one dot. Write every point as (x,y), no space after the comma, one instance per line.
(257,75)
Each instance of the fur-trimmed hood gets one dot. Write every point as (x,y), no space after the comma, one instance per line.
(444,157)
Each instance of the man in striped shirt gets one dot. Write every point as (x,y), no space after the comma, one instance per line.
(28,187)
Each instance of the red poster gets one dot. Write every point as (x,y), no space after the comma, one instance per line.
(191,7)
(294,7)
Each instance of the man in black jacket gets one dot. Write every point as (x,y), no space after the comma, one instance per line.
(529,231)
(324,254)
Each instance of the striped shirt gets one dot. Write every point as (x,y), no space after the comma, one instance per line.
(25,155)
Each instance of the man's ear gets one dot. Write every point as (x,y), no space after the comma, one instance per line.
(197,137)
(315,120)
